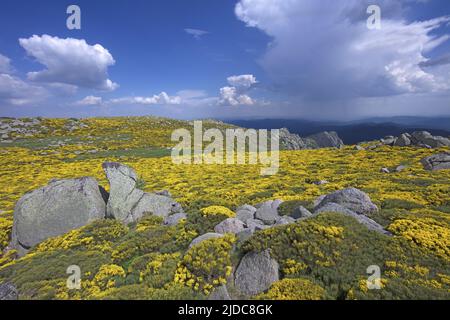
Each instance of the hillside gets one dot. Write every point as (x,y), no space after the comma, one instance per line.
(325,256)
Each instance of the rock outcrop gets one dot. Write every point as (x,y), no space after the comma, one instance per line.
(127,203)
(267,212)
(230,225)
(8,292)
(256,272)
(351,202)
(55,209)
(326,140)
(437,162)
(422,139)
(204,237)
(291,141)
(352,199)
(174,219)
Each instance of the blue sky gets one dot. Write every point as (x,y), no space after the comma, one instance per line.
(225,59)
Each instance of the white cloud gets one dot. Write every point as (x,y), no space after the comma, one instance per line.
(14,91)
(160,99)
(325,51)
(229,96)
(196,33)
(90,101)
(237,93)
(70,61)
(5,64)
(244,81)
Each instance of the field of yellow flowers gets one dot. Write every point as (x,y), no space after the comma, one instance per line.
(321,258)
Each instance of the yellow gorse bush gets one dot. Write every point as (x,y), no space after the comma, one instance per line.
(207,264)
(294,289)
(217,210)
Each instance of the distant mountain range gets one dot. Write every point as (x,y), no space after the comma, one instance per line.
(352,132)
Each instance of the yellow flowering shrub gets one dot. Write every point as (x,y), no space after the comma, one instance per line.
(207,264)
(427,233)
(217,210)
(5,232)
(293,289)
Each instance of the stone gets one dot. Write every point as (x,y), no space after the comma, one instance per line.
(285,220)
(256,272)
(8,292)
(424,138)
(327,140)
(385,170)
(369,223)
(245,212)
(256,225)
(204,237)
(220,294)
(268,211)
(230,225)
(319,200)
(352,199)
(389,140)
(437,162)
(359,148)
(127,203)
(174,219)
(290,141)
(403,141)
(301,213)
(59,207)
(244,235)
(321,182)
(400,168)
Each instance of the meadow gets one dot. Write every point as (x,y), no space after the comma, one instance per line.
(321,258)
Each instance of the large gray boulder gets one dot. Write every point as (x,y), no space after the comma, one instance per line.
(437,162)
(301,213)
(327,140)
(174,219)
(290,141)
(425,138)
(352,199)
(230,225)
(56,209)
(127,203)
(403,141)
(205,237)
(369,223)
(256,272)
(245,213)
(8,292)
(267,212)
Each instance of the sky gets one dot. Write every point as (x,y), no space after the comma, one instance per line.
(225,59)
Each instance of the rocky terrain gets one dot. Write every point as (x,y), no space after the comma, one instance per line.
(290,141)
(140,227)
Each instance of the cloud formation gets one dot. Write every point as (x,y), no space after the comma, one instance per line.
(5,64)
(160,99)
(196,33)
(90,101)
(70,61)
(16,92)
(237,93)
(323,50)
